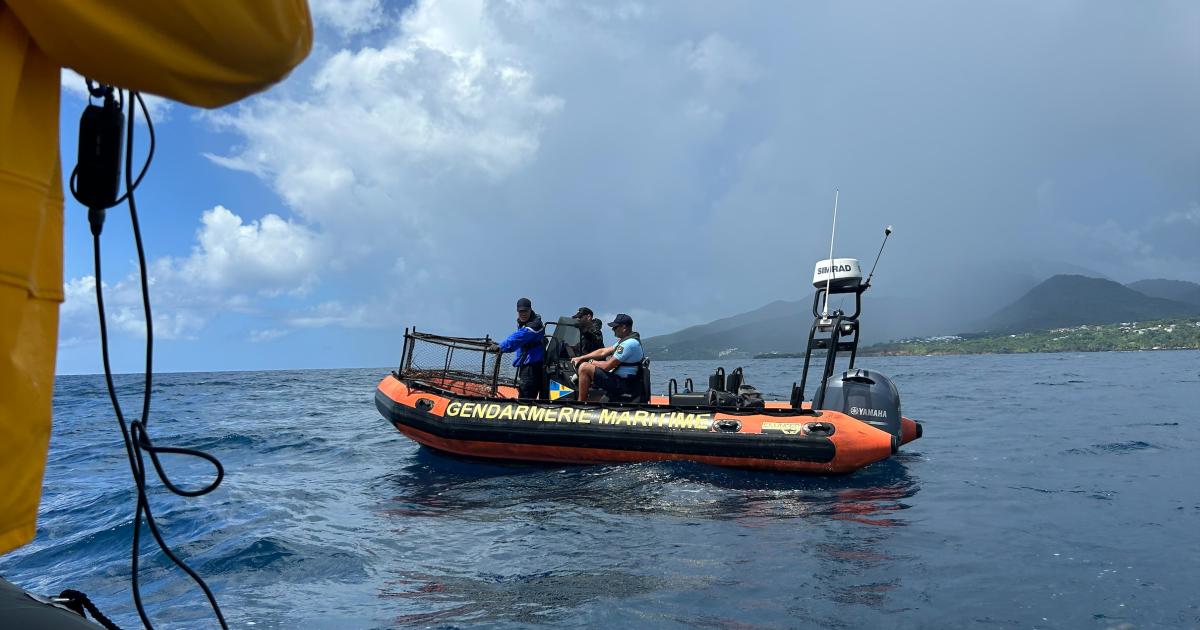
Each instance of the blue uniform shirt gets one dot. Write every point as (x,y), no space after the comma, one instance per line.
(629,351)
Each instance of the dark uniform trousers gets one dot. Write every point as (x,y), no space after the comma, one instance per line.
(531,381)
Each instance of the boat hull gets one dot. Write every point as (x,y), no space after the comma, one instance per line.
(449,419)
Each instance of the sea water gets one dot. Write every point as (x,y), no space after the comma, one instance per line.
(1049,491)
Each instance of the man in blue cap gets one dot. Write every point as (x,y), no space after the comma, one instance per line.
(529,343)
(615,373)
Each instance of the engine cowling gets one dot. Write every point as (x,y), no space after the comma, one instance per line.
(866,395)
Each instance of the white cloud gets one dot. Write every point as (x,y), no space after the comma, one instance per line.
(79,323)
(466,151)
(77,315)
(269,256)
(445,95)
(348,17)
(333,313)
(265,335)
(234,266)
(422,143)
(80,297)
(177,323)
(371,154)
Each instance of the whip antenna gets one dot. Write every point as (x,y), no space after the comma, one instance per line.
(825,311)
(886,233)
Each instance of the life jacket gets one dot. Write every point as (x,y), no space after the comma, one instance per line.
(635,364)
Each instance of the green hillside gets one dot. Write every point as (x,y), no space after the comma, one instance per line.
(1167,334)
(1069,300)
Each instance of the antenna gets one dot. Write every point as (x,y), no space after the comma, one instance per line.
(825,311)
(886,233)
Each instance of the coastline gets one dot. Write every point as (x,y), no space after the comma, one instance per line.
(1172,334)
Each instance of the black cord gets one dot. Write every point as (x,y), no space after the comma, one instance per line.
(79,602)
(135,434)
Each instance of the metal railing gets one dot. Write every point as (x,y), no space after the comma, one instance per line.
(463,365)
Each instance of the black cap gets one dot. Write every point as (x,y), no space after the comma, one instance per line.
(583,310)
(524,303)
(621,319)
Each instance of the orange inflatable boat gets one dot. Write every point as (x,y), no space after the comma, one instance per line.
(449,416)
(449,394)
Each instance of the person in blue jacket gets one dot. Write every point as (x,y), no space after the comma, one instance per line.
(528,342)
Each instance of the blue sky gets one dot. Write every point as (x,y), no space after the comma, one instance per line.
(433,161)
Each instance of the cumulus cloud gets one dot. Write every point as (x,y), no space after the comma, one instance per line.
(77,315)
(235,265)
(437,137)
(437,159)
(444,94)
(79,324)
(469,151)
(348,17)
(170,324)
(269,256)
(392,150)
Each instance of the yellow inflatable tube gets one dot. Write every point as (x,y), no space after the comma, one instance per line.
(203,52)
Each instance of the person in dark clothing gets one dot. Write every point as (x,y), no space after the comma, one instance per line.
(528,342)
(591,333)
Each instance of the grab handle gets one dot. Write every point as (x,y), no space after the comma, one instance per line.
(716,382)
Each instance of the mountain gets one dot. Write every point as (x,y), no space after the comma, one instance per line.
(955,304)
(1071,300)
(783,326)
(775,325)
(1177,290)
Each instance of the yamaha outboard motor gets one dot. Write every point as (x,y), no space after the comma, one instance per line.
(863,394)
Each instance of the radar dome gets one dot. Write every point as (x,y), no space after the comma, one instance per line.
(839,274)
